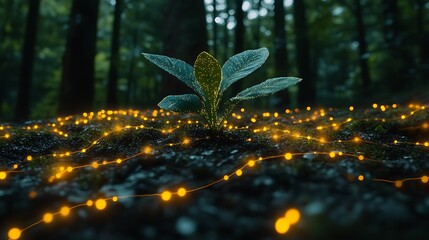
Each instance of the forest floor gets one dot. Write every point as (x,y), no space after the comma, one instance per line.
(352,174)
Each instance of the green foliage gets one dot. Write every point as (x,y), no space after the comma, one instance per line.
(181,103)
(209,81)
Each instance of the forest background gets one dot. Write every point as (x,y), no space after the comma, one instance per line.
(65,57)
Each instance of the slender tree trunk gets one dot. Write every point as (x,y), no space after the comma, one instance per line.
(77,83)
(215,37)
(8,6)
(239,28)
(280,50)
(363,49)
(185,36)
(24,92)
(423,42)
(391,23)
(397,72)
(257,30)
(239,36)
(226,34)
(112,85)
(131,78)
(307,88)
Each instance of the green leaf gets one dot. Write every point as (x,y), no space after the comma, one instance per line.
(208,74)
(181,103)
(241,65)
(178,68)
(268,87)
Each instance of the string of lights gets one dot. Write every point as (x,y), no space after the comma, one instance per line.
(277,132)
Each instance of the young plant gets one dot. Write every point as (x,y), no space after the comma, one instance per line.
(209,81)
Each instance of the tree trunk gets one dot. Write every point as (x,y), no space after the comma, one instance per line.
(131,78)
(280,50)
(112,85)
(307,88)
(391,22)
(239,37)
(215,37)
(226,34)
(185,36)
(77,83)
(423,40)
(397,58)
(257,30)
(363,50)
(24,92)
(239,28)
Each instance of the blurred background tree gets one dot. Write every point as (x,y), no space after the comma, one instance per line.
(68,56)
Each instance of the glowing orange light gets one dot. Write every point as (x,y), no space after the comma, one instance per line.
(226,177)
(360,157)
(94,165)
(166,195)
(65,211)
(48,217)
(239,172)
(3,175)
(251,163)
(288,156)
(425,179)
(398,183)
(292,215)
(332,154)
(361,178)
(115,198)
(147,150)
(181,192)
(282,225)
(14,233)
(89,203)
(29,158)
(100,204)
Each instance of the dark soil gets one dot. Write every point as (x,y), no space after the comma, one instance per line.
(332,202)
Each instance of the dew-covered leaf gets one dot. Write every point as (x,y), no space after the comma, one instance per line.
(267,87)
(178,68)
(208,74)
(181,103)
(241,65)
